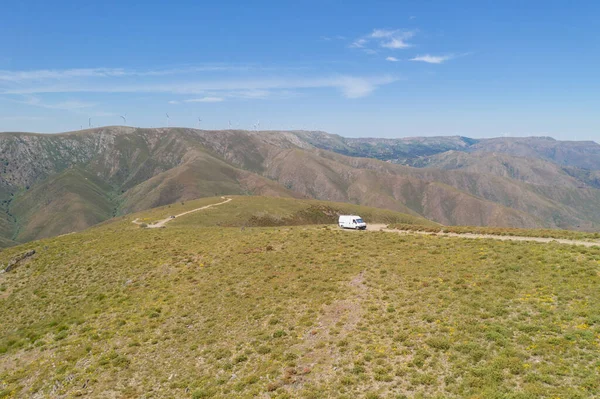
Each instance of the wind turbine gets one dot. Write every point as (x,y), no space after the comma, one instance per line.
(258,125)
(229,124)
(199,121)
(89,122)
(124,118)
(168,120)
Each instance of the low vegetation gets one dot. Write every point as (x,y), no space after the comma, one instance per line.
(202,311)
(499,231)
(254,211)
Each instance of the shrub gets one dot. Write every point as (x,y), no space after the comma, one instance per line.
(202,393)
(440,343)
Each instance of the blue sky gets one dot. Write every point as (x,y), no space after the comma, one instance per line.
(379,69)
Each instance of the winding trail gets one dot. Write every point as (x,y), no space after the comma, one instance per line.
(383,227)
(161,223)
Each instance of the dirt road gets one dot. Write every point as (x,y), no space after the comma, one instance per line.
(161,223)
(383,227)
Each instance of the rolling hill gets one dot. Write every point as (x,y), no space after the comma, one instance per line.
(56,184)
(201,310)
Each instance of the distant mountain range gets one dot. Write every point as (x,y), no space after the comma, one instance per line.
(56,184)
(579,154)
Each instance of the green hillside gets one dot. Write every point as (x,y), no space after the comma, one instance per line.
(256,211)
(197,310)
(69,201)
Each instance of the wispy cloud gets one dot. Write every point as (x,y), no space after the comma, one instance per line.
(70,105)
(395,43)
(392,59)
(47,74)
(349,85)
(385,38)
(81,73)
(359,43)
(433,59)
(331,38)
(353,87)
(204,100)
(21,118)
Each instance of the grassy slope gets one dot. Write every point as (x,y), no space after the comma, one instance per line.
(271,211)
(370,182)
(6,242)
(7,229)
(529,170)
(538,205)
(501,231)
(194,311)
(70,201)
(204,176)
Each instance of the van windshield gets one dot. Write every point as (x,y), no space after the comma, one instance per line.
(359,221)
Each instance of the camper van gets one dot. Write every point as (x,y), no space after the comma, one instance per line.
(352,222)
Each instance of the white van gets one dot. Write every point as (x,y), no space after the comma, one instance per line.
(352,222)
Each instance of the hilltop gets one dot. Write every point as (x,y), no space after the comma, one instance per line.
(201,310)
(57,184)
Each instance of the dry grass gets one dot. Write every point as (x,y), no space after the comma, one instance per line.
(307,312)
(500,231)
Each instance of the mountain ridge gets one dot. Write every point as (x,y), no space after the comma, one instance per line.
(140,168)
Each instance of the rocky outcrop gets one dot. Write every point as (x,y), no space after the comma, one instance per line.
(17,260)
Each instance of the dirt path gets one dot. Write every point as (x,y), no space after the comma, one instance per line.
(161,223)
(383,227)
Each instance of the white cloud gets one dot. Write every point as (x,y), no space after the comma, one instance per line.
(379,33)
(204,100)
(395,43)
(359,43)
(386,38)
(392,59)
(433,59)
(396,39)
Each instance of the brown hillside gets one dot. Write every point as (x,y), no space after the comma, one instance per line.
(121,170)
